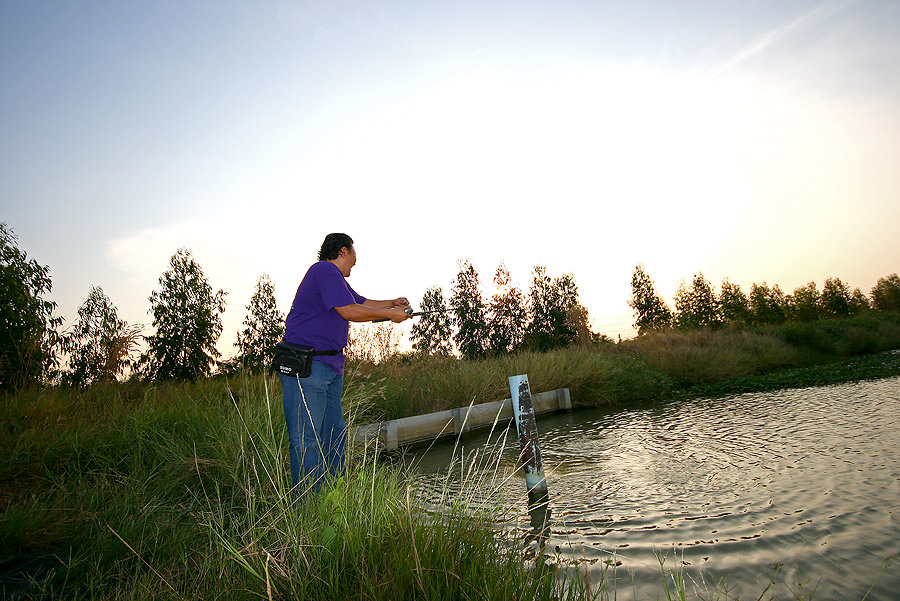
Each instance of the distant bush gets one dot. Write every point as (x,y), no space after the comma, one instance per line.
(807,335)
(859,334)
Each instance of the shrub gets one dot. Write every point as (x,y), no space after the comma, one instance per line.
(807,336)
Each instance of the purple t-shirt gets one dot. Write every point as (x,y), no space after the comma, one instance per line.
(312,319)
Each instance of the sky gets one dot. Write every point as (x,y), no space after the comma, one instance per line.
(754,141)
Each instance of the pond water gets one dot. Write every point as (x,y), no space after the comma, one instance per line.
(721,489)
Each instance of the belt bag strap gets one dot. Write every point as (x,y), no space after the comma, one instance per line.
(290,348)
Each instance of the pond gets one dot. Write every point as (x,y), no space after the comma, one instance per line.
(722,490)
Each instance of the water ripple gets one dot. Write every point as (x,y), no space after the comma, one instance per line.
(808,478)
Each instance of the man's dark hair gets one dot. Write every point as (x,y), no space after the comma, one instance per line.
(331,247)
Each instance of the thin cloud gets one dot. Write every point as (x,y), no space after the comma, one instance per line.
(776,34)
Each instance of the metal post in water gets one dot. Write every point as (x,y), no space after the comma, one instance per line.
(530,453)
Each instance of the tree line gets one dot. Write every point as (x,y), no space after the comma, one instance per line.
(698,306)
(100,347)
(548,316)
(187,321)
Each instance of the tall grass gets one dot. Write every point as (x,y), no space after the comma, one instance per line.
(182,492)
(425,384)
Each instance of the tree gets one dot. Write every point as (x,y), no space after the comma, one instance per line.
(733,303)
(550,304)
(886,293)
(187,317)
(28,330)
(697,306)
(432,333)
(650,310)
(469,313)
(263,327)
(836,298)
(578,320)
(803,304)
(507,313)
(859,302)
(569,318)
(99,345)
(766,304)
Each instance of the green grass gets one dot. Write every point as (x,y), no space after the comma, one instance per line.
(180,492)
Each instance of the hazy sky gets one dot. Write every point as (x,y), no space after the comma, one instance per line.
(758,141)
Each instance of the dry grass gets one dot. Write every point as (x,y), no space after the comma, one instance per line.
(702,356)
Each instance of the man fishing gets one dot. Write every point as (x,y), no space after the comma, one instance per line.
(319,318)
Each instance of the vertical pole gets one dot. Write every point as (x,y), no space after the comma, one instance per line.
(530,454)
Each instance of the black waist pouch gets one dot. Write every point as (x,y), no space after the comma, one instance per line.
(295,360)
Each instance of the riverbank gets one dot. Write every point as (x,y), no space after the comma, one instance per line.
(659,365)
(854,368)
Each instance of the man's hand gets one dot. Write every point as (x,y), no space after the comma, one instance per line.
(401,302)
(398,313)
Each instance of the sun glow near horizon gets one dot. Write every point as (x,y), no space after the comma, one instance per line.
(660,158)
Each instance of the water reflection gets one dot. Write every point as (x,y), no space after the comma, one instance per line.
(808,480)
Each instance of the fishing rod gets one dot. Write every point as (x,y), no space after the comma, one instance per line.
(417,313)
(412,313)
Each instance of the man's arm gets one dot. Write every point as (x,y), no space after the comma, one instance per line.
(372,310)
(387,304)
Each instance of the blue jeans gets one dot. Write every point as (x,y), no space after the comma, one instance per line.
(315,424)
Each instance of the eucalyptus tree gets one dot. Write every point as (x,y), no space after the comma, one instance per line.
(859,302)
(432,332)
(28,330)
(650,310)
(734,305)
(507,314)
(551,304)
(187,317)
(100,345)
(766,304)
(886,293)
(697,306)
(263,327)
(837,300)
(803,304)
(469,313)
